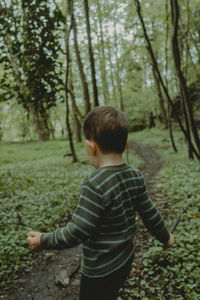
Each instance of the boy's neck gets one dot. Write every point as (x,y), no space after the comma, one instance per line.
(109,159)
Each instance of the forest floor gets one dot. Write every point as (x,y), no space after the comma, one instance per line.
(56,274)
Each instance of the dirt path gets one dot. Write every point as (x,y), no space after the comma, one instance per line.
(56,276)
(152,163)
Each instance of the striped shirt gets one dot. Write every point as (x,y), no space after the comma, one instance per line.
(104,220)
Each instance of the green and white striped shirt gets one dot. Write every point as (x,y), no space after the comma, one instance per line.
(104,220)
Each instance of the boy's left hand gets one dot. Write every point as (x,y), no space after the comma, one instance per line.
(34,239)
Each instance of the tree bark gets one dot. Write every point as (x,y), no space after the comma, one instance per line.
(91,56)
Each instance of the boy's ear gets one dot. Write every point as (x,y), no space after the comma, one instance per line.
(92,146)
(126,146)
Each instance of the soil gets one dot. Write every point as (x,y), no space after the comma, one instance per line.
(56,274)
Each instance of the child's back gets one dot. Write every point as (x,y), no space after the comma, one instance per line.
(104,219)
(111,196)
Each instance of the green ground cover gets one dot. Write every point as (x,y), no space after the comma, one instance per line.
(39,189)
(172,274)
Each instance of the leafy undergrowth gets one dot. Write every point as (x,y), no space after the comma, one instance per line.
(173,273)
(39,189)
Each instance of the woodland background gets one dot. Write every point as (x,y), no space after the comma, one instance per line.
(58,60)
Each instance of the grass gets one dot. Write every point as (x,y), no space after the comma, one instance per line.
(39,189)
(29,152)
(172,274)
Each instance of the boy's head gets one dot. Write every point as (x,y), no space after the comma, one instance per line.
(107,127)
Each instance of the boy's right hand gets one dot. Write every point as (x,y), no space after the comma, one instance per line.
(170,242)
(34,239)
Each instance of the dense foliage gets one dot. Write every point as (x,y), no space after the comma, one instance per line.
(29,59)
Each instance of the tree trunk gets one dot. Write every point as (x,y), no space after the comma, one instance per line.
(155,64)
(67,36)
(103,58)
(69,88)
(163,112)
(40,120)
(166,77)
(118,78)
(166,42)
(187,124)
(187,37)
(170,128)
(92,64)
(182,82)
(79,61)
(111,67)
(75,110)
(39,115)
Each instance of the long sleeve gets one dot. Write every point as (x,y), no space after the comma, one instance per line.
(83,225)
(150,215)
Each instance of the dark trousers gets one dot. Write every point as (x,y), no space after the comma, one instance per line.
(104,288)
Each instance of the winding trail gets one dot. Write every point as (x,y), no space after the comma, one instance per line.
(49,278)
(152,163)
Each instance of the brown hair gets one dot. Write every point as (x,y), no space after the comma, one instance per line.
(107,126)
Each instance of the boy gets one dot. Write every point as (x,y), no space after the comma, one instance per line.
(104,219)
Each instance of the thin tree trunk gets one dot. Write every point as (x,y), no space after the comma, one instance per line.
(150,50)
(70,88)
(67,36)
(187,43)
(112,77)
(75,110)
(103,58)
(79,61)
(166,77)
(118,79)
(91,56)
(187,124)
(161,100)
(101,69)
(171,129)
(182,82)
(166,41)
